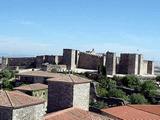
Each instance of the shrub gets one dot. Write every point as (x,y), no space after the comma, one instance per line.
(137,99)
(131,81)
(117,93)
(102,91)
(149,88)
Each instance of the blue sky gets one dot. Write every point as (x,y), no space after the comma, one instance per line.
(33,27)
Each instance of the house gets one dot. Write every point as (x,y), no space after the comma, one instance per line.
(37,90)
(15,105)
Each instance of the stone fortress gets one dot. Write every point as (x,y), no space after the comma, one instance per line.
(75,60)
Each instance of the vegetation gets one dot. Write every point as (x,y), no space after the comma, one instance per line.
(137,99)
(129,88)
(117,93)
(149,88)
(131,82)
(5,76)
(98,104)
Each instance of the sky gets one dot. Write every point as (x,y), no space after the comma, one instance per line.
(36,27)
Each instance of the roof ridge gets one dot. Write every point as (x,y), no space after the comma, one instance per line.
(9,98)
(143,110)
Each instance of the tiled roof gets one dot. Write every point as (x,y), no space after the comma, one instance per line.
(70,79)
(16,99)
(38,74)
(74,114)
(56,76)
(132,113)
(154,109)
(32,87)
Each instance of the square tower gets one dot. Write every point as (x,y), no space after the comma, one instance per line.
(110,63)
(65,91)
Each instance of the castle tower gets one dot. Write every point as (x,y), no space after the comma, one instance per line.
(65,91)
(4,62)
(110,63)
(70,58)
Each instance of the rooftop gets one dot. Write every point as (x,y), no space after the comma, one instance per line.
(16,99)
(69,78)
(59,77)
(74,114)
(38,74)
(32,87)
(138,112)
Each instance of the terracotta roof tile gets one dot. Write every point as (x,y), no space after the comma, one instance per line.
(32,87)
(130,113)
(56,76)
(70,79)
(154,109)
(38,74)
(74,114)
(15,99)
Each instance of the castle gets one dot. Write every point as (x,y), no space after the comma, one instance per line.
(126,63)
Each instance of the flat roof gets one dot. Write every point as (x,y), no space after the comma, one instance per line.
(16,99)
(32,87)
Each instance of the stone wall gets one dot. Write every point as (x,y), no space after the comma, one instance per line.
(26,62)
(88,61)
(51,59)
(35,112)
(60,96)
(32,79)
(81,96)
(5,113)
(128,64)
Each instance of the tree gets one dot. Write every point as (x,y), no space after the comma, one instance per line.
(107,83)
(149,88)
(137,99)
(7,84)
(102,91)
(117,93)
(131,82)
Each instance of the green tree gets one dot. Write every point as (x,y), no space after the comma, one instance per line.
(137,99)
(117,93)
(149,88)
(102,91)
(131,82)
(6,84)
(107,83)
